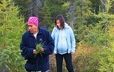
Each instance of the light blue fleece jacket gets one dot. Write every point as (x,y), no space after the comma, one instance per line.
(70,38)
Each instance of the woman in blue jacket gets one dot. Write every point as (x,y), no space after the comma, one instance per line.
(36,35)
(64,43)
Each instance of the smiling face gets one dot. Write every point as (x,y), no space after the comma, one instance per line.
(33,28)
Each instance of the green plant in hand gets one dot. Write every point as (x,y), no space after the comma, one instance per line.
(38,48)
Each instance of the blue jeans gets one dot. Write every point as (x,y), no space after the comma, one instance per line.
(68,61)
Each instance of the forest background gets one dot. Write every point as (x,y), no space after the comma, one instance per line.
(91,20)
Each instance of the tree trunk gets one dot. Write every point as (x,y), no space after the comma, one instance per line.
(71,15)
(35,6)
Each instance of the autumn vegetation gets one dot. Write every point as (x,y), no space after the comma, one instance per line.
(92,22)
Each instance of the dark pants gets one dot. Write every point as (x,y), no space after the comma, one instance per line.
(68,60)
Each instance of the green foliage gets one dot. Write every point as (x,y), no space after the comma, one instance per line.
(97,34)
(38,48)
(11,60)
(93,27)
(82,13)
(49,10)
(94,59)
(57,7)
(45,17)
(86,58)
(101,39)
(111,10)
(100,6)
(106,59)
(94,30)
(24,6)
(106,54)
(11,29)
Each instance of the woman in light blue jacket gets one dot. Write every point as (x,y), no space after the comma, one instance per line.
(64,43)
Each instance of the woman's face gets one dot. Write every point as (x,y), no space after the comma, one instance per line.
(58,24)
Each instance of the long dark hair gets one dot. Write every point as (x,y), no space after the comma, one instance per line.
(61,19)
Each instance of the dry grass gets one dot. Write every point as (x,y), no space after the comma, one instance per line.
(80,59)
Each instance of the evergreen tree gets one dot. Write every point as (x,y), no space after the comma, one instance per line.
(25,7)
(11,29)
(82,13)
(57,7)
(112,7)
(96,30)
(45,17)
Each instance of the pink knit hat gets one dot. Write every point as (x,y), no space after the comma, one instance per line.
(33,20)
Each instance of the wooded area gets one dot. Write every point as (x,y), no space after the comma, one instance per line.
(91,20)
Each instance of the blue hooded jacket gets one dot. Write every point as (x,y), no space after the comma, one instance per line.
(28,44)
(71,43)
